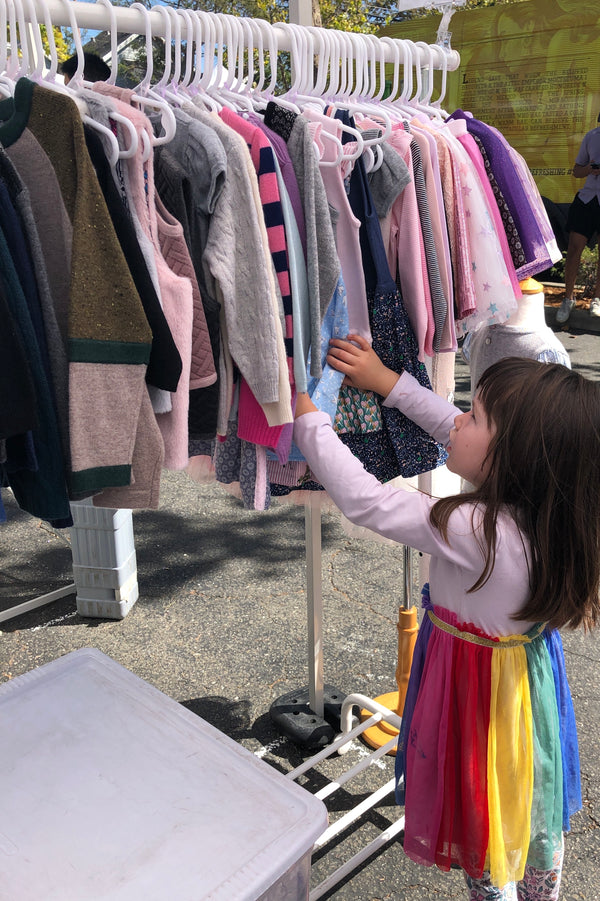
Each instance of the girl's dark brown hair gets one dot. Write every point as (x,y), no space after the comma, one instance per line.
(545,471)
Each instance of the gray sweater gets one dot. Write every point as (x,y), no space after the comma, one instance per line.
(495,342)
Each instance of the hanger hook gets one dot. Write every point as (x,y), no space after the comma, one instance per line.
(114,54)
(189,40)
(162,10)
(145,83)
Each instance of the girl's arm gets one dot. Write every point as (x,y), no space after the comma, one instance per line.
(430,411)
(400,515)
(363,369)
(393,512)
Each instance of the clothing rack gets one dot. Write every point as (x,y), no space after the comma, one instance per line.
(135,20)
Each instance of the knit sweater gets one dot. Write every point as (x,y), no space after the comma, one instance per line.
(164,366)
(190,176)
(323,265)
(236,261)
(252,422)
(35,471)
(56,346)
(108,333)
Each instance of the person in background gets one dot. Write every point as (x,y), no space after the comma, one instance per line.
(94,68)
(487,764)
(583,221)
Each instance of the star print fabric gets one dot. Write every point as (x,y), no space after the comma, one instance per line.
(488,274)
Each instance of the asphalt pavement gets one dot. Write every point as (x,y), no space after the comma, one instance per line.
(221,626)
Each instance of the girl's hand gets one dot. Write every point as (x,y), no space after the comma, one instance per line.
(304,405)
(360,364)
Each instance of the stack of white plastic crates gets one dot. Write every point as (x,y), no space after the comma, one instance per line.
(104,561)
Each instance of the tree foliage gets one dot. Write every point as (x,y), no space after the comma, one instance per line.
(63,42)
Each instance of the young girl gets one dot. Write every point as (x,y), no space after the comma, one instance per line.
(487,760)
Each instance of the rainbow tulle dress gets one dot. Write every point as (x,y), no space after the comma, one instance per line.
(487,763)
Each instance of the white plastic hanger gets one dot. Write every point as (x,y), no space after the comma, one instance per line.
(340,66)
(416,101)
(309,91)
(129,127)
(49,79)
(7,85)
(421,101)
(395,47)
(27,61)
(235,77)
(217,74)
(196,88)
(207,63)
(267,35)
(145,96)
(9,24)
(175,81)
(253,42)
(368,102)
(212,73)
(36,70)
(442,55)
(322,47)
(188,24)
(250,40)
(402,103)
(78,82)
(357,77)
(297,62)
(17,68)
(349,66)
(167,86)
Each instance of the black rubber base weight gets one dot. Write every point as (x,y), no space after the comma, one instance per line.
(293,716)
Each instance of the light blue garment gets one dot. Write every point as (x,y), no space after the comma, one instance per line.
(324,391)
(298,286)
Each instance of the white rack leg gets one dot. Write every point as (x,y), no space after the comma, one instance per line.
(342,742)
(312,521)
(40,601)
(362,765)
(353,862)
(353,815)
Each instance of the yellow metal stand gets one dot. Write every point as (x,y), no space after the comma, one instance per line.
(380,734)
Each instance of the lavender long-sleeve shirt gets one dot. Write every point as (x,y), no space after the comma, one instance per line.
(403,516)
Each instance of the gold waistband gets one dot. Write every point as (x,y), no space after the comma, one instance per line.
(510,641)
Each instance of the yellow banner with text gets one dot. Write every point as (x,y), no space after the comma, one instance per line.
(532,70)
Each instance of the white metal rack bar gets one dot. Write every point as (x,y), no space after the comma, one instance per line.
(341,745)
(95,16)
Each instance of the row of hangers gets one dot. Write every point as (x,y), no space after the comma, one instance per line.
(329,68)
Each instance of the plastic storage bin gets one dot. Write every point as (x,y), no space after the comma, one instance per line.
(111,790)
(104,560)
